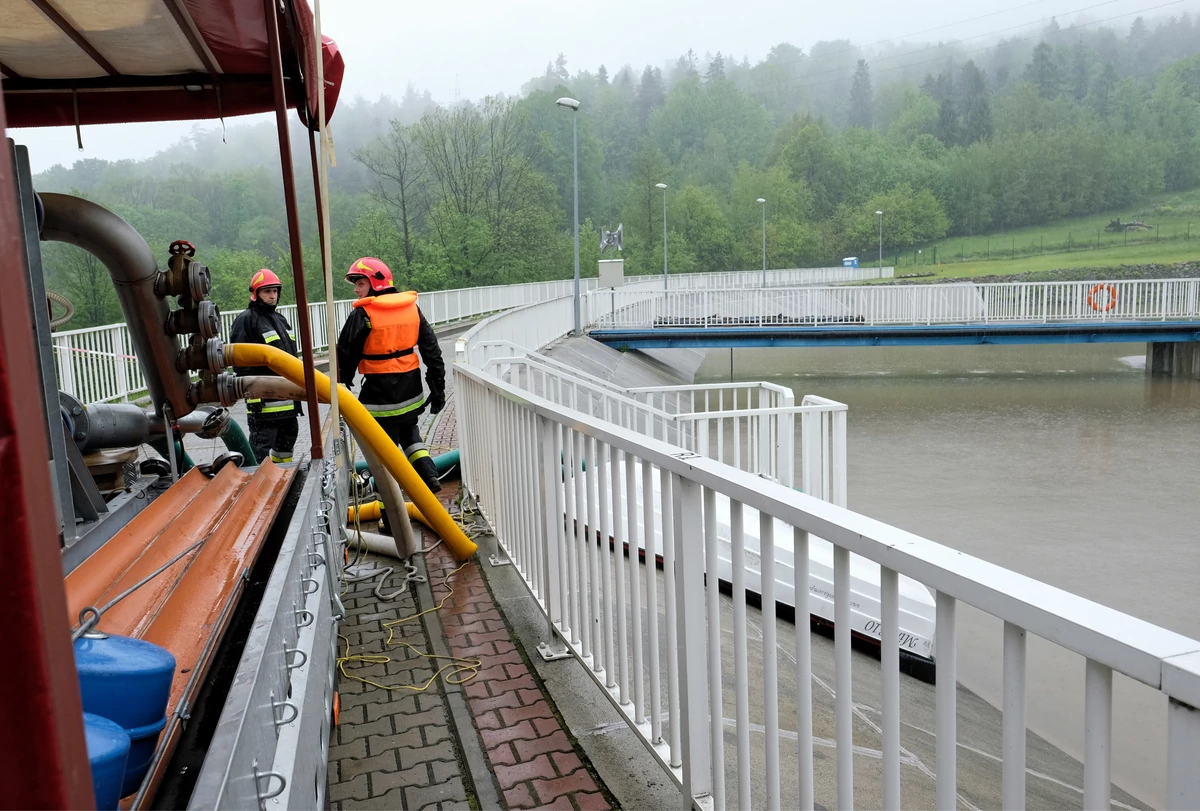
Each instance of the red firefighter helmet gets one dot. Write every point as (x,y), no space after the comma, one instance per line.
(373,270)
(264,278)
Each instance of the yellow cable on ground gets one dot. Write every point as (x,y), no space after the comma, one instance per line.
(461,670)
(368,431)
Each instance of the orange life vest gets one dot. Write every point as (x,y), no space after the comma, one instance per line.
(395,324)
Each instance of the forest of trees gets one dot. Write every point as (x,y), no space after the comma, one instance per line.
(947,139)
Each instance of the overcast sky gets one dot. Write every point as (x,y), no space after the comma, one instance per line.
(478,47)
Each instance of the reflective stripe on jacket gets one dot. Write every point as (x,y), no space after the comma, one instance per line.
(395,325)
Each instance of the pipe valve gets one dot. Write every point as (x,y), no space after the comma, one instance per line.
(204,320)
(220,388)
(184,277)
(202,356)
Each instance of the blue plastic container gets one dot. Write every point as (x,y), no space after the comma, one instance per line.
(108,753)
(127,681)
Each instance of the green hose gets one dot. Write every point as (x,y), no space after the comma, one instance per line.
(235,440)
(442,462)
(446,461)
(160,446)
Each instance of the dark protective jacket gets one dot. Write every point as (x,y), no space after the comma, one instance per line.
(262,323)
(391,394)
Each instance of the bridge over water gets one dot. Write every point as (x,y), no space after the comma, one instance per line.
(1164,314)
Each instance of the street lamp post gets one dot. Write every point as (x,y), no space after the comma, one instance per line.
(764,236)
(880,215)
(663,186)
(573,105)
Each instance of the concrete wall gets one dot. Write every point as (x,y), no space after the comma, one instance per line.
(1181,359)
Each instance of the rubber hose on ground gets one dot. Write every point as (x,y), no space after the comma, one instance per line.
(443,462)
(373,511)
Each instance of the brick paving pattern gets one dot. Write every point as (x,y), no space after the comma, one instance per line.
(392,748)
(395,749)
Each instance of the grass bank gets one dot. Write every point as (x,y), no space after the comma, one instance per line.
(1165,253)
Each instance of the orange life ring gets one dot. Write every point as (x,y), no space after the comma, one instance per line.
(1112,297)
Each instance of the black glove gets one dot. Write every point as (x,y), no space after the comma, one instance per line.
(437,402)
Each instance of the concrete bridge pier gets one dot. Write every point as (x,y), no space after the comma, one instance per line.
(1177,359)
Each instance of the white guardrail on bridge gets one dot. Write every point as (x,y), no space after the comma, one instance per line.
(97,364)
(871,305)
(551,479)
(752,426)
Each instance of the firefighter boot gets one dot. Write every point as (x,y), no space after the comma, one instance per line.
(427,470)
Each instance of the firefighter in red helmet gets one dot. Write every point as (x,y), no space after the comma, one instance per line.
(381,339)
(273,423)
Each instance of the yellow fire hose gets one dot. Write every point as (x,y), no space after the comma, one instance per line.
(373,511)
(369,432)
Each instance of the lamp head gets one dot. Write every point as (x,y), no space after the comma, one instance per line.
(569,103)
(760,200)
(660,185)
(879,213)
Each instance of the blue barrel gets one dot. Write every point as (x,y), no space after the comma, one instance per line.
(127,681)
(108,752)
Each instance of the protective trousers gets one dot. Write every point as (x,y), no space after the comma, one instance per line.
(273,438)
(407,436)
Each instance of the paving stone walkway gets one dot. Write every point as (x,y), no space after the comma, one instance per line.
(495,741)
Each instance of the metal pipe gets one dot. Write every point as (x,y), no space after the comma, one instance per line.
(119,425)
(271,12)
(131,263)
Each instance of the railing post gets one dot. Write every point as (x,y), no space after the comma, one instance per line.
(889,640)
(1013,770)
(66,365)
(1097,736)
(120,349)
(1183,742)
(786,451)
(947,702)
(844,701)
(551,467)
(691,655)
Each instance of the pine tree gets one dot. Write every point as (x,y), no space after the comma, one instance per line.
(560,68)
(602,75)
(650,93)
(1102,88)
(716,69)
(1079,70)
(861,103)
(949,127)
(1043,73)
(977,105)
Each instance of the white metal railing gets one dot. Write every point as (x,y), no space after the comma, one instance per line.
(524,462)
(1018,302)
(97,364)
(784,277)
(751,426)
(529,328)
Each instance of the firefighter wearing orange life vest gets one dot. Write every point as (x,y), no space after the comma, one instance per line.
(274,424)
(380,340)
